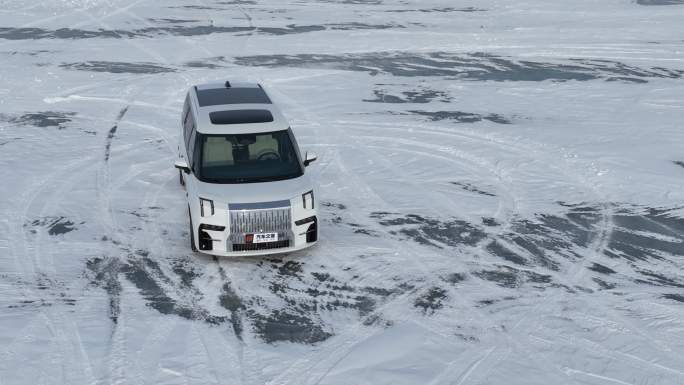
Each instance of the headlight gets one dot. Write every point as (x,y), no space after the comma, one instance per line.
(206,207)
(308,199)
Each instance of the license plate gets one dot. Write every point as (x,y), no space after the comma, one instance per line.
(265,237)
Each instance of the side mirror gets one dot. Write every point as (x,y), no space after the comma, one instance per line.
(309,158)
(182,165)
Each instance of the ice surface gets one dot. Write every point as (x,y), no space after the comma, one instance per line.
(501,193)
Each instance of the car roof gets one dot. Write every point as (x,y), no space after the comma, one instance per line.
(235,108)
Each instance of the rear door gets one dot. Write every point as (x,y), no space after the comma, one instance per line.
(186,119)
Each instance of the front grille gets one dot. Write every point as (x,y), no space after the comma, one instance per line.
(260,221)
(260,218)
(261,246)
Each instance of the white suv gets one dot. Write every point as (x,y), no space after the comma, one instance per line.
(246,182)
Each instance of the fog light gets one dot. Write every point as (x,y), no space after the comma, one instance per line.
(312,232)
(205,241)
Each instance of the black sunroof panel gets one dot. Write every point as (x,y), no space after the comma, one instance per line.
(240,116)
(237,95)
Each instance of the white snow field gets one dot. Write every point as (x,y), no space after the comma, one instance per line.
(501,193)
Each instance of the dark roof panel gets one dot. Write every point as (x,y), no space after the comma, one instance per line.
(240,116)
(237,95)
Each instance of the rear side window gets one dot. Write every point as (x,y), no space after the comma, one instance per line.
(187,127)
(186,106)
(191,147)
(187,120)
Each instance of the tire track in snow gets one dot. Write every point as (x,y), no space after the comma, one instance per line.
(150,238)
(505,353)
(601,240)
(598,246)
(302,369)
(62,326)
(313,367)
(158,57)
(495,355)
(116,361)
(58,188)
(139,242)
(112,131)
(65,329)
(248,359)
(33,268)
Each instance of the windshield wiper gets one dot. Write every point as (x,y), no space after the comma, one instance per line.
(253,180)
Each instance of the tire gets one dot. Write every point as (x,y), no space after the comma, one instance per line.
(192,233)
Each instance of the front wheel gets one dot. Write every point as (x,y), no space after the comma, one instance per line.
(192,233)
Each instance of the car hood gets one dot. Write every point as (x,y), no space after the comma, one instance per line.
(255,192)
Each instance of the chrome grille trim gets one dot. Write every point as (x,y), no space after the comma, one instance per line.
(272,220)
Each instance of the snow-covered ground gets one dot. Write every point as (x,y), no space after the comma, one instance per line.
(501,193)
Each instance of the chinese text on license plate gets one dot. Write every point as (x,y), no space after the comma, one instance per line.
(265,237)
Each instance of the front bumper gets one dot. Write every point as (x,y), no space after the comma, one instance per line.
(230,230)
(252,253)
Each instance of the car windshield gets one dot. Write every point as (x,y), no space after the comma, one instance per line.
(248,158)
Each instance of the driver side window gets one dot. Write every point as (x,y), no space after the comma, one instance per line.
(263,145)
